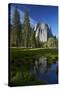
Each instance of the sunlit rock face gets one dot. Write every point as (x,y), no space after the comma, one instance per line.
(42,32)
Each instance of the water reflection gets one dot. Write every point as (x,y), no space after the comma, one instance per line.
(40,65)
(45,71)
(33,70)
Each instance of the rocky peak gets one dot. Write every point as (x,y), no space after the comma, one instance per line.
(42,31)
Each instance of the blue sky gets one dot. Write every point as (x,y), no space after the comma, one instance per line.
(39,13)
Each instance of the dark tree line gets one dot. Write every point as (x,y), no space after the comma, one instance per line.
(16,30)
(26,32)
(21,34)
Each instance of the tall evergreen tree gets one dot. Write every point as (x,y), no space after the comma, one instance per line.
(16,29)
(26,30)
(33,40)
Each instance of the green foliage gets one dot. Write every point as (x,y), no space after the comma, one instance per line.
(45,45)
(16,29)
(26,30)
(52,42)
(33,40)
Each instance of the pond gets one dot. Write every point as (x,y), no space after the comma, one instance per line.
(45,71)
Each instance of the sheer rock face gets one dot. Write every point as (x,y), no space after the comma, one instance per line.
(42,32)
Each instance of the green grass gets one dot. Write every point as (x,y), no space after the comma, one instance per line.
(23,55)
(27,53)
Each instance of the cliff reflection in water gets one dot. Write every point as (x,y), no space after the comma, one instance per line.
(45,71)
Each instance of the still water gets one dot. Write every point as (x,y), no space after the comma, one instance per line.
(44,71)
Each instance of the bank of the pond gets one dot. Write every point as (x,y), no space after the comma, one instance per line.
(26,53)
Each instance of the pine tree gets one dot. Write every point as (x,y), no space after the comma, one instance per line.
(33,40)
(26,30)
(16,29)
